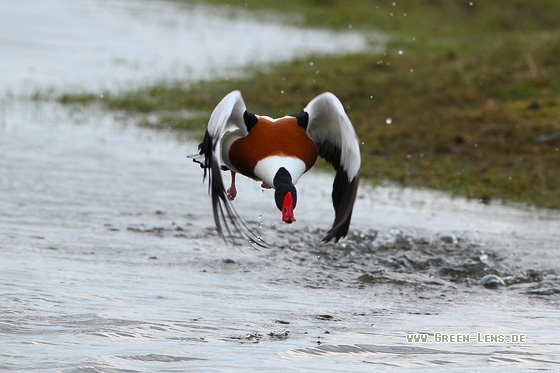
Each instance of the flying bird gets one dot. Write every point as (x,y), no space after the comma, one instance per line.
(278,152)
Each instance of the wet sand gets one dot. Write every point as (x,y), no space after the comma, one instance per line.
(110,262)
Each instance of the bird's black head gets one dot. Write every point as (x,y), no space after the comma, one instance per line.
(285,195)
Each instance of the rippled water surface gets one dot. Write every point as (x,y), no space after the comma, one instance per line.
(110,263)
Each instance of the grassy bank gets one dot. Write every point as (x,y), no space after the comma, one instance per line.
(472,91)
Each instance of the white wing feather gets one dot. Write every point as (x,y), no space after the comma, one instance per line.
(228,112)
(338,144)
(328,122)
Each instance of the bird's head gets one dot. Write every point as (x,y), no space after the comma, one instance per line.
(285,195)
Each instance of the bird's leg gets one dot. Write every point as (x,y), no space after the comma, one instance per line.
(232,191)
(265,185)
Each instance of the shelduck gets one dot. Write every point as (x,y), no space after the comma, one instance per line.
(278,152)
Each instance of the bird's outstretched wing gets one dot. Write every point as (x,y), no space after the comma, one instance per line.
(338,144)
(229,224)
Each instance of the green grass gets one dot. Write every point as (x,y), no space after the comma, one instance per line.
(472,89)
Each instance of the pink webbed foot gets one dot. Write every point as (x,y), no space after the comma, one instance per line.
(265,185)
(232,191)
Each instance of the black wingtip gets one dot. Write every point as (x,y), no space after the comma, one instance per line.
(336,233)
(229,225)
(343,196)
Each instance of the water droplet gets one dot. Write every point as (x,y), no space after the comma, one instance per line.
(282,92)
(388,120)
(471,3)
(260,217)
(370,96)
(394,4)
(401,52)
(491,281)
(311,63)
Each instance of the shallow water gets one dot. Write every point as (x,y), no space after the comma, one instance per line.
(110,262)
(100,44)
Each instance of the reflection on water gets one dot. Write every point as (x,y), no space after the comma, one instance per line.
(110,261)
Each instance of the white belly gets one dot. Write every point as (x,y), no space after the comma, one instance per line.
(267,168)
